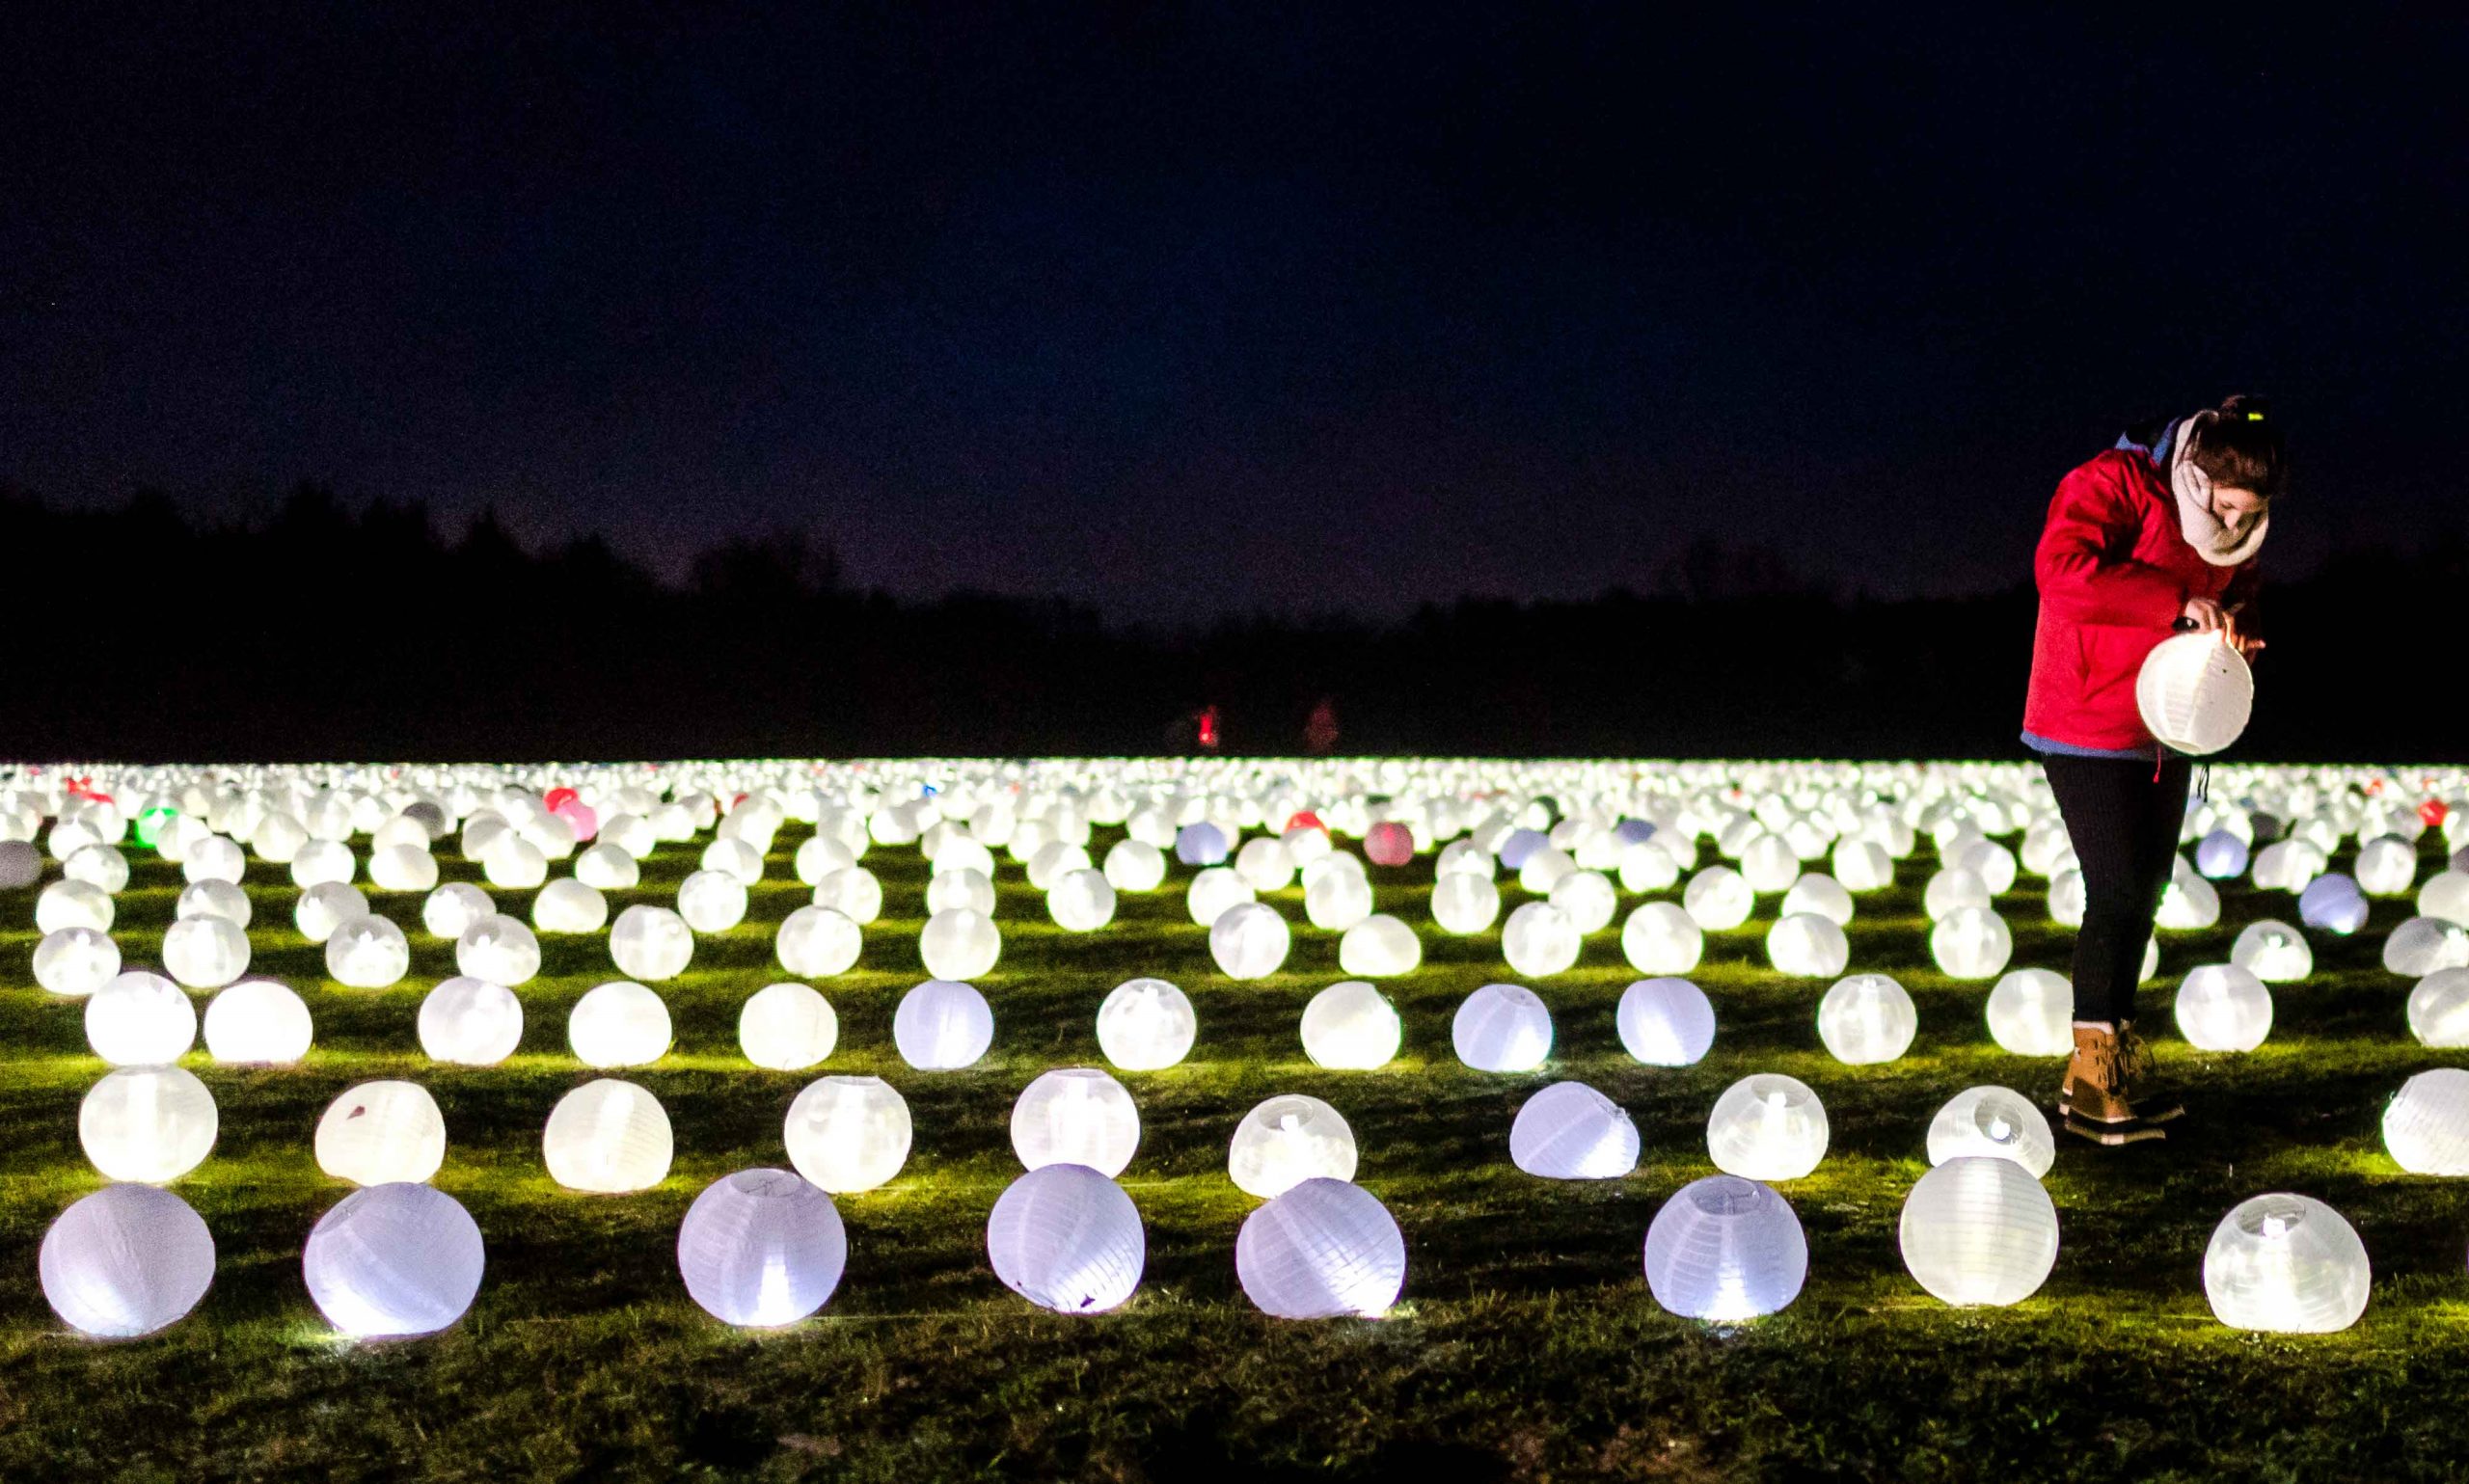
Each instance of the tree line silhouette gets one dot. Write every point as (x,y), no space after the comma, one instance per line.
(329,632)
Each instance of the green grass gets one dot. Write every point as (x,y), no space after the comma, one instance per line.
(1527,1346)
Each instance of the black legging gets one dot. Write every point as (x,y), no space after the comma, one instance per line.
(2124,821)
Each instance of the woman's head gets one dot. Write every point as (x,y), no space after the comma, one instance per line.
(2238,447)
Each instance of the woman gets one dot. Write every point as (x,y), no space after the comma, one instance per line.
(2140,541)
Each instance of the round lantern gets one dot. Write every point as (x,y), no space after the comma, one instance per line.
(450,911)
(2426,1126)
(1862,865)
(1724,1248)
(1660,938)
(1379,946)
(821,856)
(99,866)
(817,943)
(1324,1249)
(147,1123)
(1994,1121)
(2065,898)
(761,1248)
(605,867)
(1201,843)
(608,1137)
(1808,946)
(1568,1131)
(1463,903)
(2333,903)
(1767,1126)
(510,862)
(787,1027)
(470,1022)
(1288,1140)
(1351,1026)
(960,945)
(382,1133)
(1822,895)
(258,1022)
(1666,1022)
(1067,1238)
(1080,902)
(1502,1028)
(1587,899)
(403,868)
(1215,890)
(619,1024)
(733,856)
(852,891)
(2446,894)
(1389,843)
(2031,1013)
(2273,952)
(2289,865)
(20,865)
(1716,899)
(1646,866)
(1540,940)
(1134,865)
(2440,1008)
(2221,855)
(140,1019)
(2285,1264)
(2223,1008)
(1952,890)
(1145,1024)
(1265,864)
(214,899)
(848,1134)
(1248,940)
(394,1260)
(1075,1116)
(2195,693)
(497,949)
(569,905)
(75,962)
(1971,943)
(67,903)
(2188,903)
(968,889)
(2387,866)
(366,953)
(1768,865)
(943,1025)
(1979,1229)
(124,1261)
(204,952)
(1867,1019)
(2426,945)
(650,943)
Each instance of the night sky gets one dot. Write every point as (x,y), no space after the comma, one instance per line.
(1187,310)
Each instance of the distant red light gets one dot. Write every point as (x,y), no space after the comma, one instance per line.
(1303,819)
(2434,811)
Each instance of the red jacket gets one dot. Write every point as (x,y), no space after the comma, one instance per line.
(2114,572)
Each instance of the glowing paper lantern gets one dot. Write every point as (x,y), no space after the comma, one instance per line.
(1265,864)
(1822,895)
(955,889)
(1288,1140)
(1767,1126)
(619,1024)
(2426,945)
(1216,889)
(1768,864)
(2223,1008)
(2031,1013)
(381,1133)
(2065,898)
(2440,1008)
(761,1248)
(1660,938)
(2273,952)
(2333,903)
(214,899)
(1971,943)
(1323,1250)
(960,945)
(2195,693)
(75,962)
(569,905)
(452,910)
(1979,1229)
(650,943)
(1568,1131)
(1075,1116)
(1464,902)
(1587,899)
(2221,855)
(1862,866)
(1808,946)
(1540,940)
(1248,940)
(606,1137)
(1080,902)
(603,867)
(511,861)
(366,953)
(147,1123)
(1666,1022)
(1994,1121)
(140,1019)
(394,1260)
(1724,1248)
(1145,1024)
(470,1022)
(124,1261)
(1389,843)
(2426,1125)
(98,866)
(2446,894)
(1952,890)
(497,949)
(1333,900)
(2285,1264)
(1067,1238)
(1716,899)
(1134,865)
(258,1022)
(403,868)
(69,904)
(1200,844)
(787,1027)
(1351,1026)
(204,952)
(1502,1028)
(943,1025)
(848,1134)
(1379,946)
(2386,867)
(818,942)
(852,891)
(1867,1019)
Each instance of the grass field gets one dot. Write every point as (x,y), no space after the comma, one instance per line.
(1527,1347)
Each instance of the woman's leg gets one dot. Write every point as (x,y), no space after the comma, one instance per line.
(2105,804)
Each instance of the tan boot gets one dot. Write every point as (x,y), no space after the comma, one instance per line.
(2095,1101)
(2151,1101)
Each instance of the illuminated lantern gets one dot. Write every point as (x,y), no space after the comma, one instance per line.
(379,1133)
(2031,1013)
(1067,1238)
(603,867)
(318,862)
(1822,895)
(1134,865)
(1543,868)
(204,952)
(650,943)
(2333,903)
(1996,1121)
(75,962)
(2066,899)
(1335,900)
(1218,888)
(1716,899)
(1767,1126)
(2223,1008)
(1589,899)
(1666,1022)
(1646,866)
(1248,940)
(2151,959)
(1724,1249)
(2387,866)
(1288,1140)
(2221,855)
(1660,938)
(1463,903)
(403,868)
(1538,940)
(848,1134)
(258,1022)
(1265,864)
(1953,889)
(1520,846)
(1080,901)
(1075,1116)
(1379,946)
(619,1024)
(568,906)
(970,889)
(2285,1264)
(1971,943)
(2440,1008)
(1351,1026)
(1808,946)
(1862,866)
(787,1027)
(822,855)
(817,943)
(394,1260)
(214,858)
(852,891)
(960,945)
(452,910)
(1979,1229)
(1867,1019)
(140,1019)
(2426,1126)
(147,1123)
(734,856)
(366,953)
(712,902)
(1389,843)
(2195,693)
(1568,1131)
(2446,894)
(1324,1249)
(2426,945)
(1769,865)
(99,866)
(497,949)
(214,899)
(1502,1028)
(470,1022)
(511,862)
(606,1137)
(761,1248)
(1145,1024)
(2288,865)
(942,1026)
(1200,844)
(2273,952)
(124,1261)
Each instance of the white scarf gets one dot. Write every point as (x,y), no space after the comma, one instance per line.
(2215,540)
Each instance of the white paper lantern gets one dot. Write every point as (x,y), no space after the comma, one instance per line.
(737,857)
(509,861)
(2221,855)
(2333,903)
(1971,943)
(2386,867)
(75,962)
(1994,1121)
(1075,1116)
(1568,1131)
(1808,946)
(69,904)
(1145,1024)
(1324,1249)
(1379,946)
(2426,1125)
(2066,899)
(147,1123)
(1820,894)
(1647,865)
(1868,1018)
(1540,940)
(2031,1013)
(1462,902)
(848,1134)
(960,945)
(2426,945)
(124,1261)
(394,1260)
(1767,1126)
(2440,1008)
(824,854)
(1952,890)
(1067,1238)
(950,890)
(619,1024)
(403,868)
(787,1027)
(367,952)
(204,952)
(1287,1140)
(2289,865)
(1666,1022)
(470,1022)
(1716,899)
(1217,888)
(650,943)
(258,1022)
(608,1137)
(1862,865)
(1979,1229)
(450,911)
(1542,869)
(2273,952)
(569,905)
(1264,865)
(1768,865)
(99,866)
(2195,693)
(1248,940)
(2188,903)
(1351,1026)
(214,899)
(1586,899)
(140,1019)
(382,1133)
(1135,865)
(852,891)
(1080,901)
(818,943)
(1724,1248)
(762,1248)
(497,949)
(2446,894)
(1502,1028)
(2285,1264)
(1660,938)
(943,1025)
(2223,1008)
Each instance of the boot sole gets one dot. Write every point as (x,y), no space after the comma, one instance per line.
(2132,1132)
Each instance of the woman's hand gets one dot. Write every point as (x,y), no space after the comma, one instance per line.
(2203,616)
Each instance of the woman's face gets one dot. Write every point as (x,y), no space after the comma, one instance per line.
(2235,506)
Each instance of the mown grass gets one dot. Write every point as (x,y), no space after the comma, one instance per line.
(1528,1346)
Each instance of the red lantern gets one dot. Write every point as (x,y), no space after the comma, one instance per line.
(1389,843)
(558,798)
(2434,811)
(1303,819)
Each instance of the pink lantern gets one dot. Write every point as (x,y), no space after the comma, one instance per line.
(1389,843)
(585,820)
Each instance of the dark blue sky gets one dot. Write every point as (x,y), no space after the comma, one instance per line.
(1190,309)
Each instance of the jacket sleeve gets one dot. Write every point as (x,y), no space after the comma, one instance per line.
(2081,565)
